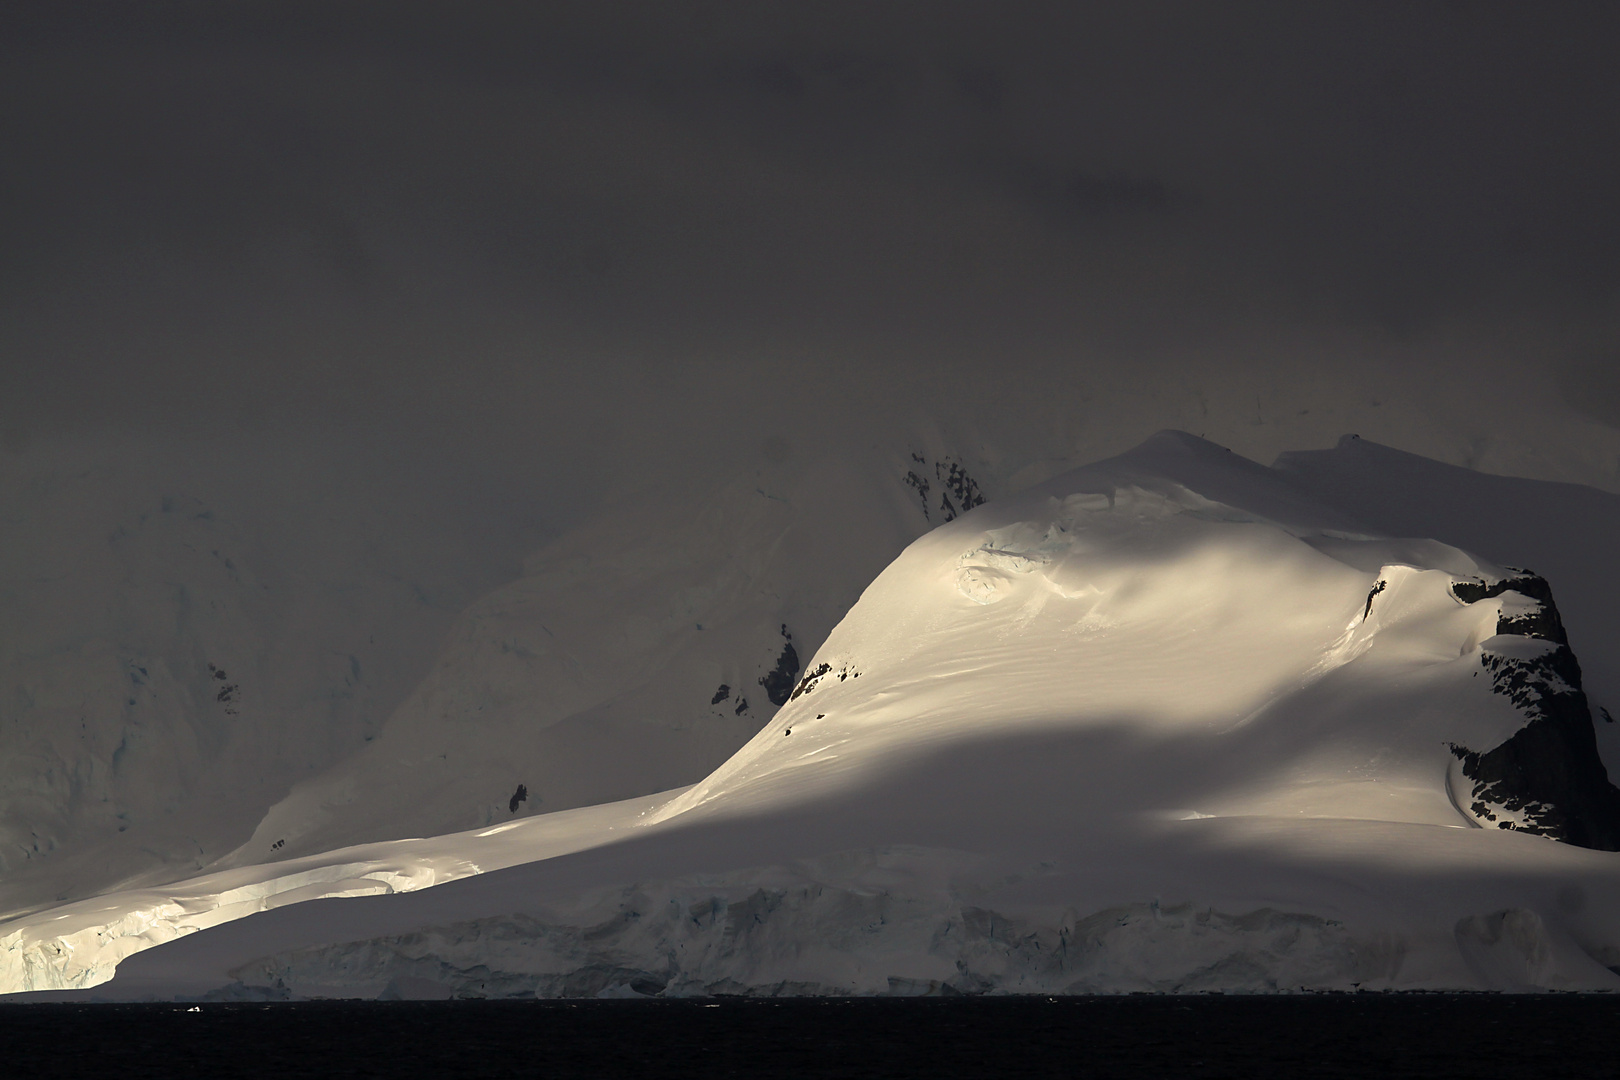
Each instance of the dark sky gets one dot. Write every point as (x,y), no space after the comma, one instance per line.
(583,219)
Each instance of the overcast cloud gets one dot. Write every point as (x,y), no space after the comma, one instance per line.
(590,222)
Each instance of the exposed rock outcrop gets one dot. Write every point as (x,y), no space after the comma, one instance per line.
(1547,778)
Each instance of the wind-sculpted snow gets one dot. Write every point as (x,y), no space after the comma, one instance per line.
(1162,723)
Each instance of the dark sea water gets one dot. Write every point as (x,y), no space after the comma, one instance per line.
(1417,1035)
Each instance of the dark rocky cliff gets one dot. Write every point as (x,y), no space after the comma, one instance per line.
(1547,778)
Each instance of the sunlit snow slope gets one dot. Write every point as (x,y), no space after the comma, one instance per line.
(213,663)
(635,654)
(1173,721)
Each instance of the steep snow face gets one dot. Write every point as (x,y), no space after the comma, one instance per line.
(1165,721)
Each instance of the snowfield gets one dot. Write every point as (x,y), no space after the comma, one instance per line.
(1174,721)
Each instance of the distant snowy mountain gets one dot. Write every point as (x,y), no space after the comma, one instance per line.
(182,639)
(1171,721)
(207,677)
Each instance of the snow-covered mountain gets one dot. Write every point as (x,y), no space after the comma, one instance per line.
(1171,721)
(430,634)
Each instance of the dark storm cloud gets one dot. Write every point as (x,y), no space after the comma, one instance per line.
(264,210)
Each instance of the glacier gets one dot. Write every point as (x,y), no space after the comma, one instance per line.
(1174,721)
